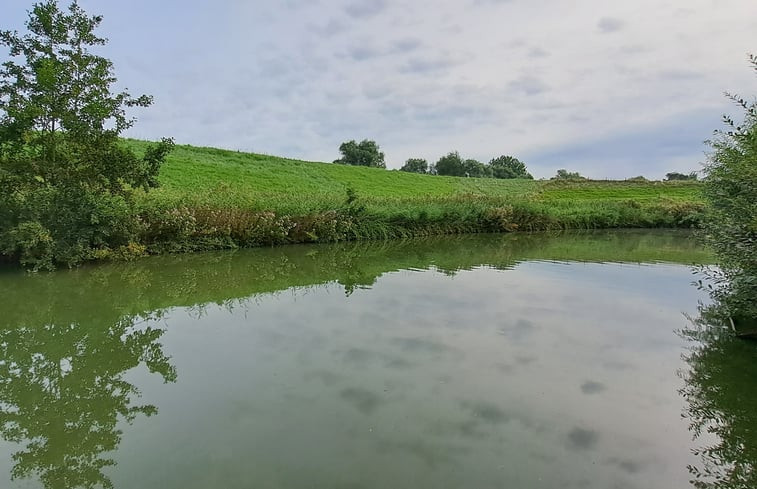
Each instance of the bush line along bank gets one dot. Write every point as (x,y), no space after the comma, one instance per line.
(188,228)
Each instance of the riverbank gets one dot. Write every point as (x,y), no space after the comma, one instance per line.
(216,199)
(212,199)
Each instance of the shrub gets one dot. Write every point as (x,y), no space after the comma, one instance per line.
(731,226)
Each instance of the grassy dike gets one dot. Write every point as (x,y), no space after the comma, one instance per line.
(218,199)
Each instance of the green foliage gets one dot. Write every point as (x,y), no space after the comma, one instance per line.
(450,165)
(731,190)
(563,174)
(67,224)
(476,169)
(501,167)
(66,175)
(681,176)
(509,167)
(364,153)
(415,165)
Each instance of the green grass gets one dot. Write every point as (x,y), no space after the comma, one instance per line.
(211,198)
(193,175)
(620,190)
(200,176)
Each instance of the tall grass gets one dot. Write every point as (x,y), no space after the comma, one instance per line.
(190,227)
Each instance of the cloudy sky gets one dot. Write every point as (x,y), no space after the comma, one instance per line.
(608,88)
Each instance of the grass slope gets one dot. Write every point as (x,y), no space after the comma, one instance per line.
(193,175)
(211,198)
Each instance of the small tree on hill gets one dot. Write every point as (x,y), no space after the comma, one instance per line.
(415,165)
(680,176)
(563,174)
(450,165)
(65,174)
(474,168)
(364,153)
(509,167)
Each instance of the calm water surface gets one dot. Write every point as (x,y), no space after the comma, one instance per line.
(526,361)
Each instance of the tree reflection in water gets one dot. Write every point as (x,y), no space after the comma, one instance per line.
(63,393)
(721,403)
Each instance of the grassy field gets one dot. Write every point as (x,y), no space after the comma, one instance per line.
(211,198)
(199,176)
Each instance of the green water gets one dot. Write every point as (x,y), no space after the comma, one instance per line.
(477,362)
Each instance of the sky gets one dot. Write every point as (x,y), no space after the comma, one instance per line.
(610,89)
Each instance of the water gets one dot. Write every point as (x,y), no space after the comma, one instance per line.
(483,362)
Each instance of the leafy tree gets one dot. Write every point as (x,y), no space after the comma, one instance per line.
(680,176)
(563,174)
(66,176)
(364,153)
(415,165)
(450,165)
(731,228)
(509,167)
(474,168)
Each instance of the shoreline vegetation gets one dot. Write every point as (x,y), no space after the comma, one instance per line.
(212,199)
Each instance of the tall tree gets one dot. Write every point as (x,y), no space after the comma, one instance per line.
(66,174)
(731,189)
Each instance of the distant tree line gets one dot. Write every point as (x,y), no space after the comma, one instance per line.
(367,153)
(563,174)
(680,176)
